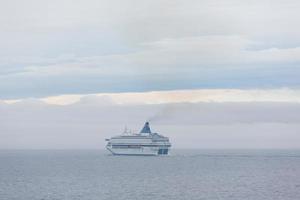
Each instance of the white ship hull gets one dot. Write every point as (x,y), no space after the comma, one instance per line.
(143,151)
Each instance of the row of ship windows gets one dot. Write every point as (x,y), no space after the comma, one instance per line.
(131,146)
(125,146)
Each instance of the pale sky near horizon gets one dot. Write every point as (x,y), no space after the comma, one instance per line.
(74,72)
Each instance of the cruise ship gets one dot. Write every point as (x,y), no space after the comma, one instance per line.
(143,143)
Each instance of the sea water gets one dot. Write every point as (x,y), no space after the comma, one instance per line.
(185,174)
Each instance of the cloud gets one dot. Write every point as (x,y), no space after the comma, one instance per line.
(191,53)
(173,96)
(73,73)
(31,124)
(198,62)
(63,47)
(94,100)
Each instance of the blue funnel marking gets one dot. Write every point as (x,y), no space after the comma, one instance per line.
(146,128)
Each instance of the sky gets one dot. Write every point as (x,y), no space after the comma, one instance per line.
(75,72)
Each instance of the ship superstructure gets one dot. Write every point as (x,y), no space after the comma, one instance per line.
(143,143)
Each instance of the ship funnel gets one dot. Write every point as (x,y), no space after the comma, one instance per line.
(146,128)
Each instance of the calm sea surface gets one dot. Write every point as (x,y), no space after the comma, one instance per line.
(186,174)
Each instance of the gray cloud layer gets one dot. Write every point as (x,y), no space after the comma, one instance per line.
(57,47)
(34,124)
